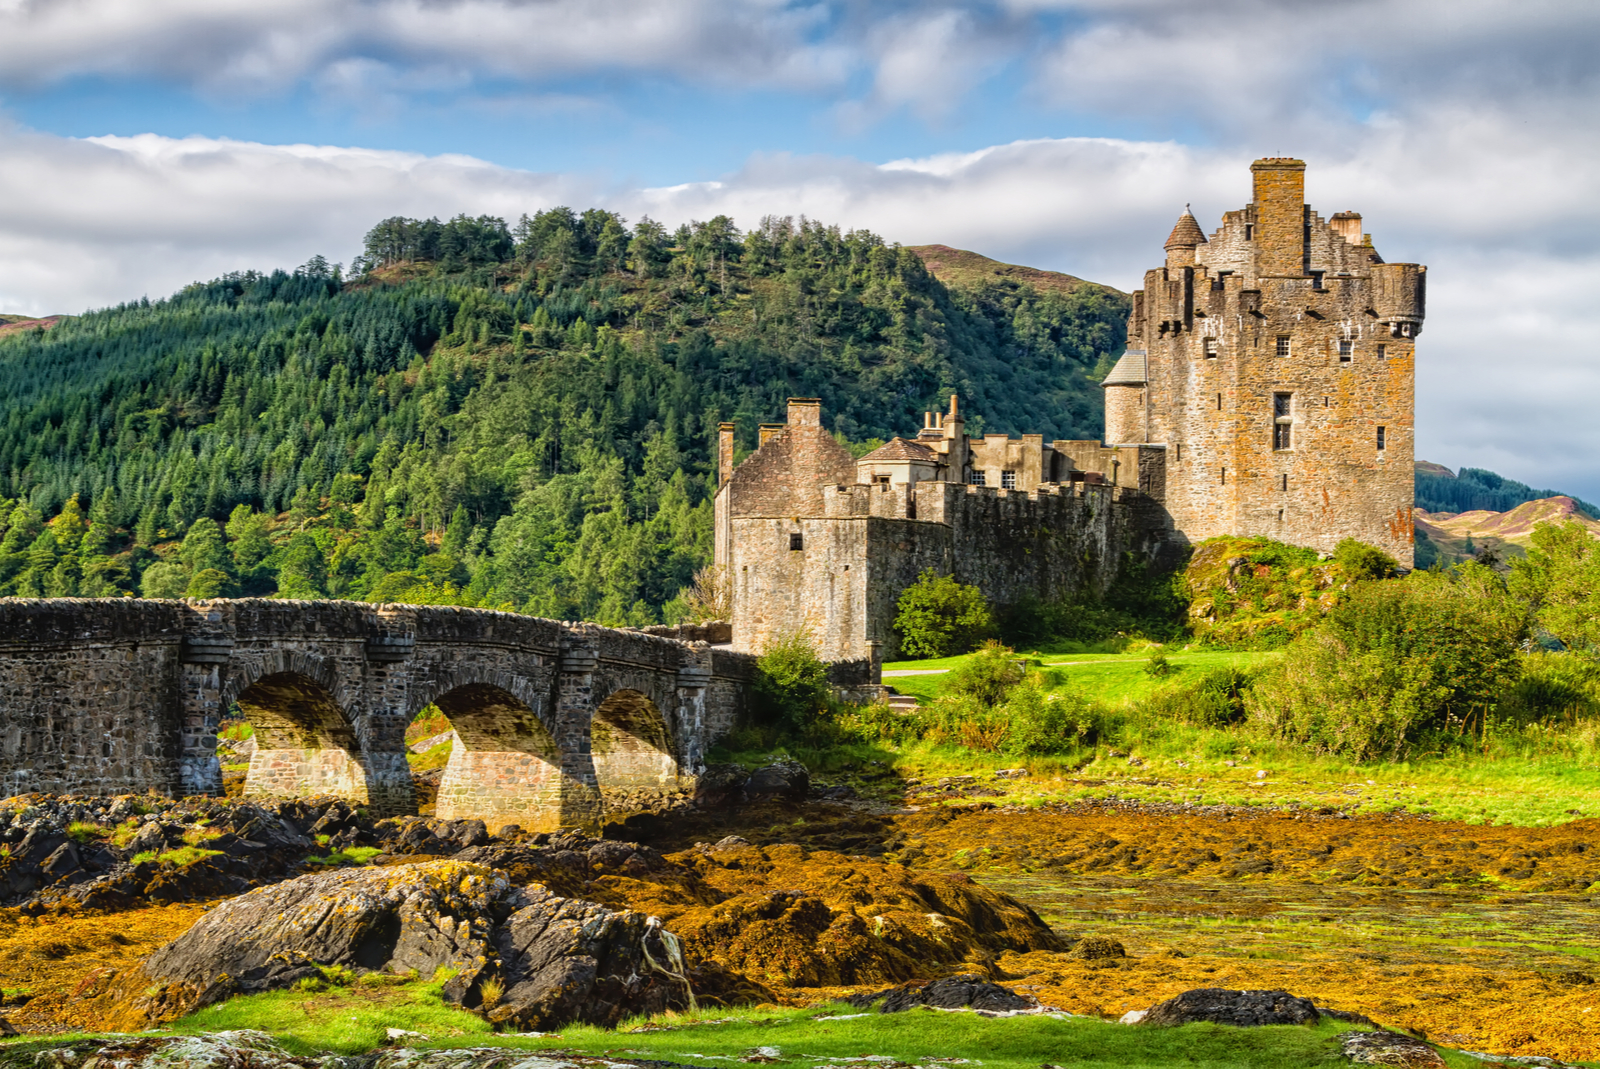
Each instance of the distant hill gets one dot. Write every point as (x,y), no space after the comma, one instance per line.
(1438,489)
(483,414)
(22,322)
(958,267)
(1458,536)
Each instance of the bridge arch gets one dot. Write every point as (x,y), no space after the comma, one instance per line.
(505,765)
(631,742)
(306,744)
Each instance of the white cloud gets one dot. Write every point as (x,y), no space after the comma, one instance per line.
(1507,366)
(248,47)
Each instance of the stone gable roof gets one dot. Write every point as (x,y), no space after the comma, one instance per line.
(900,449)
(1130,370)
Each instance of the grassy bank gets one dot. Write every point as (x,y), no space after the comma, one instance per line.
(353,1020)
(1531,775)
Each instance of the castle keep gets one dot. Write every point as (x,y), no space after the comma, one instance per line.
(1274,365)
(1267,389)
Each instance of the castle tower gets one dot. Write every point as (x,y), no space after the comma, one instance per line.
(1274,362)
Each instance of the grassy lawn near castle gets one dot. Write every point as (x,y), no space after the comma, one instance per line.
(1539,776)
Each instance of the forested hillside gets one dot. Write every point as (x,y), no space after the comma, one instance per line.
(511,417)
(1474,489)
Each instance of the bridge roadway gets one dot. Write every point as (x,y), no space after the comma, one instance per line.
(556,723)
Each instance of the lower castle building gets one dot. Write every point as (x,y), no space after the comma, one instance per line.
(1267,389)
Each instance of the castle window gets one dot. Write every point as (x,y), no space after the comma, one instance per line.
(1224,476)
(1249,231)
(880,480)
(1381,437)
(1283,345)
(1316,280)
(797,541)
(1347,350)
(1383,351)
(1008,480)
(1211,348)
(1282,421)
(1285,485)
(977,478)
(1219,402)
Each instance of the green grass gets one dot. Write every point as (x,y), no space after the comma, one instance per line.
(354,855)
(354,1019)
(1116,679)
(183,855)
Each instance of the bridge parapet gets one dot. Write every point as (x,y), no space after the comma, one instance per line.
(553,722)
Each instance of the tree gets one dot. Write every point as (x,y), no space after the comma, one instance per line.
(791,685)
(1559,581)
(939,617)
(164,579)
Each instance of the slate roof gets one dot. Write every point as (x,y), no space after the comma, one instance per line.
(1187,234)
(900,449)
(1130,370)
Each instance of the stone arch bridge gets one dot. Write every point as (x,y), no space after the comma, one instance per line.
(554,723)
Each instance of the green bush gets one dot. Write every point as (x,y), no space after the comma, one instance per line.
(1156,665)
(1213,700)
(1559,580)
(1397,662)
(791,685)
(1554,686)
(1042,723)
(939,617)
(988,676)
(1360,561)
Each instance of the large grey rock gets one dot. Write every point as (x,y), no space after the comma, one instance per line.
(950,993)
(1221,1006)
(785,780)
(558,960)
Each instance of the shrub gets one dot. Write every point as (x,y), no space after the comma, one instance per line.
(939,617)
(1214,699)
(1042,723)
(1156,665)
(792,682)
(1360,561)
(988,676)
(1394,663)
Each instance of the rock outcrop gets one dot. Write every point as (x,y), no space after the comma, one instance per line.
(1221,1006)
(557,960)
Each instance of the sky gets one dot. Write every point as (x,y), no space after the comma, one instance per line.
(147,144)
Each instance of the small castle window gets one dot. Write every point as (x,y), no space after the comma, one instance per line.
(880,480)
(1383,352)
(1285,485)
(1219,402)
(1381,437)
(1224,476)
(977,478)
(1211,348)
(1283,345)
(1249,231)
(1347,350)
(1316,280)
(1008,480)
(1283,422)
(797,541)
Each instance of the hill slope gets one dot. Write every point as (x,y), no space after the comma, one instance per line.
(1439,489)
(486,415)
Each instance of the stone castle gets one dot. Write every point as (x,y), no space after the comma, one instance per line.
(1267,389)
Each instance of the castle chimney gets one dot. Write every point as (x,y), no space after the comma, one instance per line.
(805,412)
(1348,226)
(724,453)
(769,430)
(1280,203)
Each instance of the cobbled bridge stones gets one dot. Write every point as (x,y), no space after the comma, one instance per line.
(555,723)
